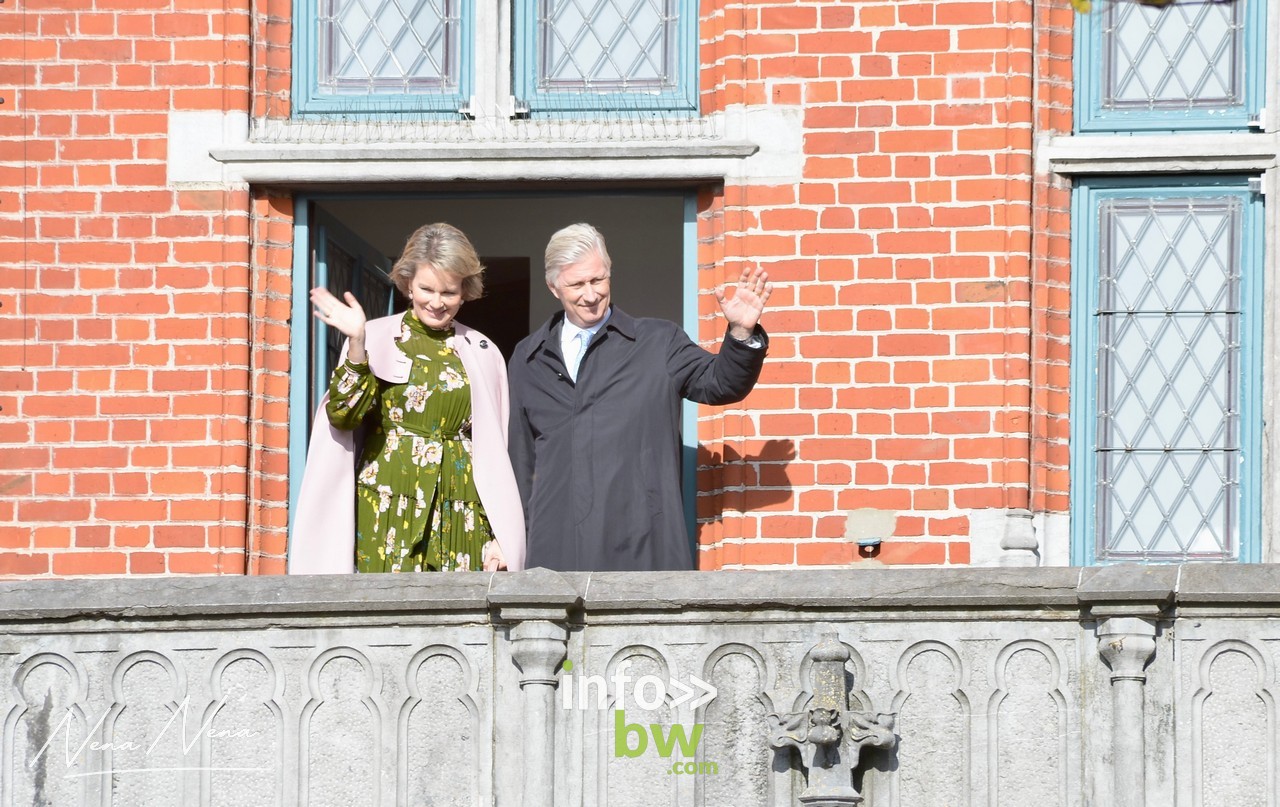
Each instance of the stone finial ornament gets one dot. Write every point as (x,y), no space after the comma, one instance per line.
(828,735)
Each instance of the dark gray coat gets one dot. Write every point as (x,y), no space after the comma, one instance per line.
(598,463)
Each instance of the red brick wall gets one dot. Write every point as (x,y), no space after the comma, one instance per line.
(144,390)
(269,400)
(900,372)
(1051,252)
(126,303)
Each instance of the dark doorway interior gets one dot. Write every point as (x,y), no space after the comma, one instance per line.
(502,313)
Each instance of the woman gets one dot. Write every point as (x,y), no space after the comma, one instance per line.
(435,489)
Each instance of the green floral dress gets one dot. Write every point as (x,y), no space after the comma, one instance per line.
(416,503)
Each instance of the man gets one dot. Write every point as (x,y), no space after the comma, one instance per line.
(595,414)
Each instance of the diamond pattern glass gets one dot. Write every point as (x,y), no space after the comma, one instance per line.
(388,47)
(607,45)
(1168,379)
(1180,56)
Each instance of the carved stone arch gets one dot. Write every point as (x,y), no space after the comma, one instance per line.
(898,682)
(28,784)
(71,664)
(177,675)
(273,700)
(177,680)
(232,656)
(920,774)
(130,721)
(753,781)
(622,774)
(370,682)
(1246,730)
(629,652)
(1203,667)
(1028,740)
(68,664)
(466,694)
(275,682)
(768,676)
(470,675)
(372,676)
(1001,661)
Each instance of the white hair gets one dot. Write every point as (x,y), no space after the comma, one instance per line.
(570,245)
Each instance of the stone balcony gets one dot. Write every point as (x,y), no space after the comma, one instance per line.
(1043,686)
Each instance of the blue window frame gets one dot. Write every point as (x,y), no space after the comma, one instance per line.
(367,57)
(590,57)
(1183,67)
(1166,370)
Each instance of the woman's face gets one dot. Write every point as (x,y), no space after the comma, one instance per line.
(435,297)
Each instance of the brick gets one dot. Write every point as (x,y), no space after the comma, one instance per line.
(825,553)
(22,564)
(130,510)
(89,563)
(766,553)
(147,563)
(91,536)
(912,449)
(794,17)
(908,552)
(54,510)
(831,346)
(199,563)
(166,536)
(958,553)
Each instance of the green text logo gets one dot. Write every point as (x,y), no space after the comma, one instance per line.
(665,742)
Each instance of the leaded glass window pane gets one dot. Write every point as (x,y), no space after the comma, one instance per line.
(1181,56)
(607,45)
(388,47)
(1168,435)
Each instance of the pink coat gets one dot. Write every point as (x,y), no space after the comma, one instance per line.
(324,524)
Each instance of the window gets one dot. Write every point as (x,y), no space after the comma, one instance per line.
(362,56)
(1167,354)
(1192,65)
(580,56)
(448,59)
(1168,272)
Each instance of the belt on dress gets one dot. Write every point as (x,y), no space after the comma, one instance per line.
(464,434)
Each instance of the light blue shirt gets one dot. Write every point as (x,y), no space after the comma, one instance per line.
(569,332)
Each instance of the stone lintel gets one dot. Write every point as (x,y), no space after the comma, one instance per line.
(1229,585)
(871,589)
(1128,590)
(1125,590)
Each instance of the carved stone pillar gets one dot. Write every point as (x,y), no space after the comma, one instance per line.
(536,604)
(538,646)
(1127,644)
(1019,540)
(829,736)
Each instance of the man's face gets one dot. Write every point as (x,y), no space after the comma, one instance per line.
(583,289)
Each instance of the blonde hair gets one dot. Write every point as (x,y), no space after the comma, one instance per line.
(570,245)
(445,249)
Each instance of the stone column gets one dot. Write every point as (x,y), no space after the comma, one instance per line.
(1019,540)
(1127,601)
(537,605)
(538,645)
(1127,644)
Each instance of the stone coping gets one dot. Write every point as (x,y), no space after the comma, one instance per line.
(1153,591)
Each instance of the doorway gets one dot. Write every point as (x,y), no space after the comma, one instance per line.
(651,236)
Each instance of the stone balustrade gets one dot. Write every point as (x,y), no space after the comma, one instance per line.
(1044,687)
